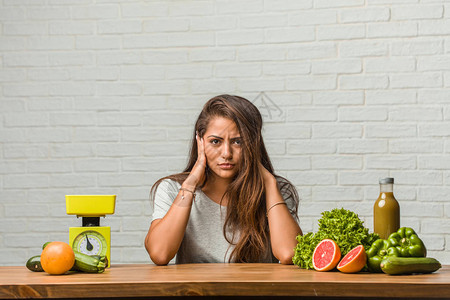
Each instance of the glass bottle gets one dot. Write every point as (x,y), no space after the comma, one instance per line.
(386,210)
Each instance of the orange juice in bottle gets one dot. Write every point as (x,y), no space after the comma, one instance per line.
(386,210)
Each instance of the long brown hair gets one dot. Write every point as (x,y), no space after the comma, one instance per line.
(246,209)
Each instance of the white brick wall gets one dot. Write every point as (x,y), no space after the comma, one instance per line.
(101,96)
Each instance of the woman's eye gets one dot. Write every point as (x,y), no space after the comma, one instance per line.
(237,142)
(215,141)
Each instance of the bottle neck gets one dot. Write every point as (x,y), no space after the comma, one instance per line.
(387,188)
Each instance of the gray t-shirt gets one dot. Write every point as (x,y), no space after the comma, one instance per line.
(204,240)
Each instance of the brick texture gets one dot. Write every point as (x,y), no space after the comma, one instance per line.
(100,97)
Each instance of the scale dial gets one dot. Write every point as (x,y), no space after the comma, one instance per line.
(91,243)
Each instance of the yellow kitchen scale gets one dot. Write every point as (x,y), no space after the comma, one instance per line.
(91,238)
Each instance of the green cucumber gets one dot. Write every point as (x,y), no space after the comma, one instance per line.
(407,265)
(34,264)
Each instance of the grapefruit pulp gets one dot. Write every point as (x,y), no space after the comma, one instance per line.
(326,255)
(353,261)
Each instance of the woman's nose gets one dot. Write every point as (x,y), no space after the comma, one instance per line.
(227,151)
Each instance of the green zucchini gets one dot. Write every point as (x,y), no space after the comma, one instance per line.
(34,264)
(89,264)
(408,265)
(45,245)
(101,258)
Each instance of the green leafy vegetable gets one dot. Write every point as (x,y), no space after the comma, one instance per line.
(342,226)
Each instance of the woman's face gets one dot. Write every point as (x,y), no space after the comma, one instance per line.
(222,147)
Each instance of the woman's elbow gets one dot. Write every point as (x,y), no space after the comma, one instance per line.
(286,260)
(158,257)
(159,261)
(285,257)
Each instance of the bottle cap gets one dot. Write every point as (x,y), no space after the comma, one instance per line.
(386,180)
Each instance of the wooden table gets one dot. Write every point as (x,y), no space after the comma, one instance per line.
(270,280)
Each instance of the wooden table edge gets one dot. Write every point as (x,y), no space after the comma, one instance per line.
(147,283)
(155,289)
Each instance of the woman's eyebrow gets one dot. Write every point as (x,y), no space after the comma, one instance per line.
(221,138)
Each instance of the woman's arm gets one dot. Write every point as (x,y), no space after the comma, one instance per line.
(165,235)
(282,225)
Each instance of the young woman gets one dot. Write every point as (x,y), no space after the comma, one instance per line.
(227,205)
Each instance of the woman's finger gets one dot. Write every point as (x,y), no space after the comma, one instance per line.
(198,171)
(200,147)
(264,172)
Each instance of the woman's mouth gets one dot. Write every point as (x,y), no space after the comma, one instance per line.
(226,166)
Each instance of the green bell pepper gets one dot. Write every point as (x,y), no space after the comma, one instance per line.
(379,250)
(408,243)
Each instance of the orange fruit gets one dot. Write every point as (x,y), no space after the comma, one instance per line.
(57,258)
(353,261)
(326,255)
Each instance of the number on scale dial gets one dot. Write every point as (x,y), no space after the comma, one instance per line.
(91,243)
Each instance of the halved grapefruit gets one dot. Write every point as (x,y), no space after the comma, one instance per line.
(353,261)
(326,255)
